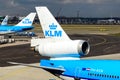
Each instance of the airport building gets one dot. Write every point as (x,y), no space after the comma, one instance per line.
(72,20)
(92,21)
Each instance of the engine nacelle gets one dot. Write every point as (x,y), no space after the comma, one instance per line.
(72,48)
(35,42)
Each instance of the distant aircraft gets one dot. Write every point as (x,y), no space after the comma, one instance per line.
(65,54)
(5,21)
(25,24)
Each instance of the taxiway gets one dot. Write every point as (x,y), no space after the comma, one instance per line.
(18,62)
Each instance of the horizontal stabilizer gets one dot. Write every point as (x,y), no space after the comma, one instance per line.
(53,70)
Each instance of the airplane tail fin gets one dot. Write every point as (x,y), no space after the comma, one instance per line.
(5,21)
(50,26)
(27,21)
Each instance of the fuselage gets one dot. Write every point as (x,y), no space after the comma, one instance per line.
(87,69)
(13,29)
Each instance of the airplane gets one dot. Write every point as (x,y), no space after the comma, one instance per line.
(25,24)
(64,54)
(5,21)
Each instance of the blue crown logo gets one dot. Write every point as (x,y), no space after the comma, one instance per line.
(53,26)
(27,21)
(5,20)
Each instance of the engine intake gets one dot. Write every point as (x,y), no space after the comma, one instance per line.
(85,48)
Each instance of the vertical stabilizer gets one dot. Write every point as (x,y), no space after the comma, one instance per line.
(27,21)
(5,21)
(50,26)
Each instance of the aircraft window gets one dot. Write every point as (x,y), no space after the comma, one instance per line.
(103,75)
(117,76)
(110,76)
(92,74)
(88,73)
(51,64)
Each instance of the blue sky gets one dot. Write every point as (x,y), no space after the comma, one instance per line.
(85,8)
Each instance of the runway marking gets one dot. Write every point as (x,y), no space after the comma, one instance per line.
(87,39)
(108,48)
(104,41)
(112,42)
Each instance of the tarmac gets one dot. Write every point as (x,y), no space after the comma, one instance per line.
(25,72)
(19,62)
